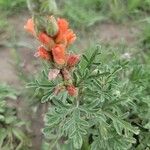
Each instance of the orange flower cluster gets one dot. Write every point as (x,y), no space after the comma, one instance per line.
(54,48)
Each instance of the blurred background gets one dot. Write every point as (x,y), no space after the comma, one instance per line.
(121,25)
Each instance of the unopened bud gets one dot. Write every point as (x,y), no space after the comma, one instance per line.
(72,90)
(72,60)
(52,26)
(40,22)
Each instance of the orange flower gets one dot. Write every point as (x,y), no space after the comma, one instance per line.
(72,90)
(30,26)
(46,40)
(65,35)
(72,60)
(61,39)
(70,37)
(43,53)
(62,24)
(58,53)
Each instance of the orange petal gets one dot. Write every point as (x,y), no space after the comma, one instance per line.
(46,40)
(63,27)
(43,53)
(30,26)
(70,36)
(61,38)
(59,54)
(62,24)
(66,38)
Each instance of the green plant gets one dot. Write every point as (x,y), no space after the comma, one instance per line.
(140,78)
(102,116)
(11,135)
(145,5)
(9,6)
(117,10)
(3,24)
(84,13)
(133,5)
(93,103)
(145,35)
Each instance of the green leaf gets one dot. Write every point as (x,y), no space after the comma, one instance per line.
(48,96)
(7,91)
(2,117)
(103,130)
(84,57)
(77,140)
(76,127)
(21,137)
(96,145)
(147,126)
(122,123)
(10,119)
(3,135)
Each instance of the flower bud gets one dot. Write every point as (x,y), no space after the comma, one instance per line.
(52,26)
(40,22)
(72,90)
(29,26)
(72,60)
